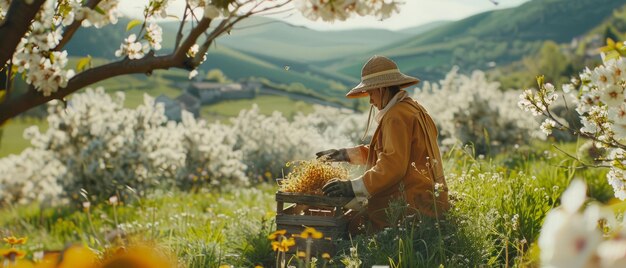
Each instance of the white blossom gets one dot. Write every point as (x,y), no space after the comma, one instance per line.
(211,12)
(343,9)
(612,95)
(91,17)
(547,126)
(193,73)
(617,179)
(193,50)
(154,36)
(569,238)
(132,48)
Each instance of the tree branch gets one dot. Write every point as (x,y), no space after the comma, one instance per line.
(15,26)
(32,98)
(177,59)
(70,30)
(179,34)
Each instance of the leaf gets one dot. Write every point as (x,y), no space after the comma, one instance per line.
(83,63)
(14,70)
(131,24)
(540,80)
(99,10)
(610,42)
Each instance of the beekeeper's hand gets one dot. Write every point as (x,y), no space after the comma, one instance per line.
(336,187)
(333,155)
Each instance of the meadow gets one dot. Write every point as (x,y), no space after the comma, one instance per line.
(499,206)
(202,192)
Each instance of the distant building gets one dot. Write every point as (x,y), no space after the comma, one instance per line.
(211,92)
(189,103)
(174,107)
(202,93)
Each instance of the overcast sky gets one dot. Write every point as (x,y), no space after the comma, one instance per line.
(412,13)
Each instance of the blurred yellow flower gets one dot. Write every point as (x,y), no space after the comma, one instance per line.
(77,256)
(283,245)
(12,253)
(225,266)
(277,234)
(258,266)
(326,256)
(312,233)
(20,264)
(12,240)
(301,254)
(49,259)
(138,256)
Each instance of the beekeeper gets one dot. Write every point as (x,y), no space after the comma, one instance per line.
(402,161)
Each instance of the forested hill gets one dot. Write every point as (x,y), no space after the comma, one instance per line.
(494,37)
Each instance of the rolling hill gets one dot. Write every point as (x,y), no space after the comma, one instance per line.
(246,52)
(330,61)
(500,36)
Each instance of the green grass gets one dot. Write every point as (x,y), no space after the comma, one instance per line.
(204,229)
(209,227)
(12,141)
(267,105)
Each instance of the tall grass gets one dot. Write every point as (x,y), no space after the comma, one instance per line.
(498,207)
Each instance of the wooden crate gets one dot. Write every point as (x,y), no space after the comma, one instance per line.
(325,214)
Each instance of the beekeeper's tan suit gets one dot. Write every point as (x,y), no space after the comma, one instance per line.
(403,160)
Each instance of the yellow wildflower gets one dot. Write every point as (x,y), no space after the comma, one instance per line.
(277,234)
(138,256)
(301,254)
(283,245)
(49,259)
(12,253)
(77,256)
(326,256)
(12,240)
(21,264)
(312,233)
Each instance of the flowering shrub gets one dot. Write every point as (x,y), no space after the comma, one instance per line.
(600,105)
(268,142)
(98,145)
(31,175)
(470,109)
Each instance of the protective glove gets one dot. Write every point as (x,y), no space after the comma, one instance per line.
(334,155)
(336,187)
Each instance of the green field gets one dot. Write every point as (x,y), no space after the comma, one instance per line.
(13,141)
(267,104)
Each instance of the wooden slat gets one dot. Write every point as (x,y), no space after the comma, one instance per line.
(314,200)
(313,221)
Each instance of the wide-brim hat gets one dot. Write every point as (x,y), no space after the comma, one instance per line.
(380,71)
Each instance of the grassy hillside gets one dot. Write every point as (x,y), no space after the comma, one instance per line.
(281,40)
(500,36)
(424,27)
(267,104)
